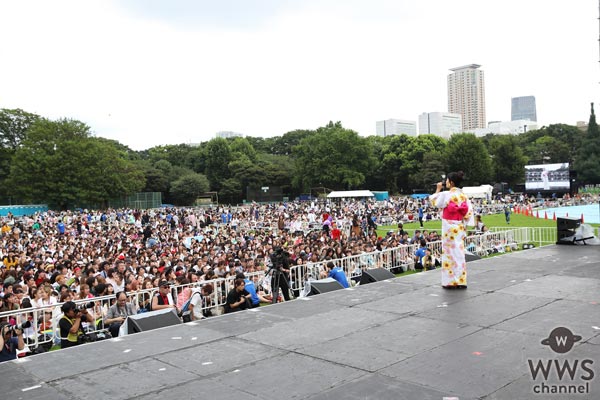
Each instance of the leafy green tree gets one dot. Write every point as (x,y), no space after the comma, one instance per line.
(547,150)
(413,157)
(467,153)
(218,157)
(187,188)
(508,159)
(59,163)
(241,147)
(156,179)
(231,191)
(176,154)
(334,157)
(433,167)
(13,126)
(262,145)
(284,145)
(588,162)
(277,169)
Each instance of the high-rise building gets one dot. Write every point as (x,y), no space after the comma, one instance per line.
(507,127)
(523,108)
(440,124)
(228,134)
(396,127)
(466,95)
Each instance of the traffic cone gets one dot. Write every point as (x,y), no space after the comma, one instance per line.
(582,218)
(554,217)
(545,215)
(537,214)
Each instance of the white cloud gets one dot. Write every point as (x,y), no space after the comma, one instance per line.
(150,76)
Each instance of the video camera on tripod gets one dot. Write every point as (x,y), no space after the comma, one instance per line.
(280,260)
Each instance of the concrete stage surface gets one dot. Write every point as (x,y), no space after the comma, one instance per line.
(406,338)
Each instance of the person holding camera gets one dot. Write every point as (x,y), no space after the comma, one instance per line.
(70,324)
(237,298)
(11,340)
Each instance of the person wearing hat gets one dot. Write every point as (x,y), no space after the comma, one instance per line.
(163,298)
(70,324)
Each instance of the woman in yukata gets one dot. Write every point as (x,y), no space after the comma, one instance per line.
(457,212)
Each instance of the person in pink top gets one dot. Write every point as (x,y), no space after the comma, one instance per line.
(457,212)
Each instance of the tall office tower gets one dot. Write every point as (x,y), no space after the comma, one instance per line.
(523,108)
(440,124)
(396,127)
(466,95)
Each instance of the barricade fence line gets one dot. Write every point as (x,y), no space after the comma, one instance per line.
(44,320)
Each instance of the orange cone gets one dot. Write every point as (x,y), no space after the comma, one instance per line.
(554,217)
(545,215)
(537,214)
(582,218)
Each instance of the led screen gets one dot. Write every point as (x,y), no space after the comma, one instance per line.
(547,177)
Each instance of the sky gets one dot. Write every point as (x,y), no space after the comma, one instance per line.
(150,72)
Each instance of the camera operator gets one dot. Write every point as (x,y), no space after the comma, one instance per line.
(70,324)
(10,344)
(281,273)
(237,298)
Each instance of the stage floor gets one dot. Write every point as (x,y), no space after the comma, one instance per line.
(406,338)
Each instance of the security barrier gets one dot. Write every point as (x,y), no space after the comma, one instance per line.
(44,330)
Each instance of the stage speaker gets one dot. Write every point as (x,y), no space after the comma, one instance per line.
(565,229)
(471,257)
(152,320)
(375,275)
(323,286)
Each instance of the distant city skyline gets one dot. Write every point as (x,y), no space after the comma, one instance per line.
(149,72)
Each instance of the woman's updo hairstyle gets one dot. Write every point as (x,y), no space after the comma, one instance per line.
(456,178)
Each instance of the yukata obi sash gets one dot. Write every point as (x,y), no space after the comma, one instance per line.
(455,212)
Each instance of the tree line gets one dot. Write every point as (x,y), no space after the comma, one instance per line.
(60,162)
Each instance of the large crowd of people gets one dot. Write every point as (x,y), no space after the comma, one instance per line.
(56,257)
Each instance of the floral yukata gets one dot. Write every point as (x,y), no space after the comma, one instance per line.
(457,212)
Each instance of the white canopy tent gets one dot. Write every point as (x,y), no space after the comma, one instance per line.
(350,194)
(478,192)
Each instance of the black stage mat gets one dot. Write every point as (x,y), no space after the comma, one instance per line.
(405,338)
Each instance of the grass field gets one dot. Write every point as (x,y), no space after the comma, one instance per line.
(496,220)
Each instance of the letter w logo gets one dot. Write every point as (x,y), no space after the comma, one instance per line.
(561,340)
(545,369)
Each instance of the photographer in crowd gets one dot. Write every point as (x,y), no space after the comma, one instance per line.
(10,344)
(237,298)
(70,324)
